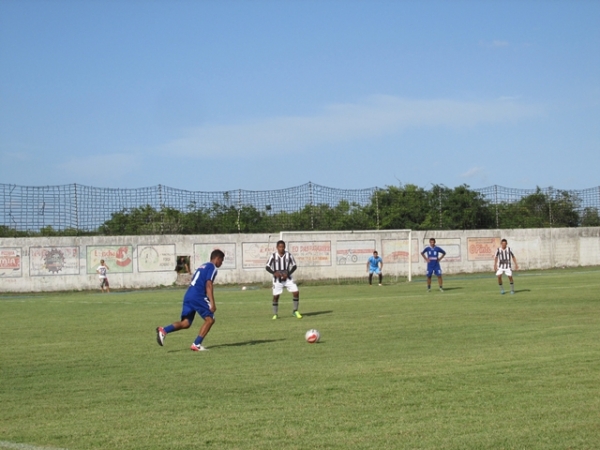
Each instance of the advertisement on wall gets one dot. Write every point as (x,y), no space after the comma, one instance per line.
(450,245)
(354,252)
(156,258)
(256,254)
(482,249)
(396,251)
(48,261)
(311,253)
(10,262)
(118,258)
(202,254)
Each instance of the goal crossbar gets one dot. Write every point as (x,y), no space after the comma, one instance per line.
(406,232)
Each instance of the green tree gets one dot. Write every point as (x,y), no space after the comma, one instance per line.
(590,217)
(402,207)
(465,209)
(541,210)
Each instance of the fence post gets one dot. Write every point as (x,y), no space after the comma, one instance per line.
(377,205)
(440,207)
(310,196)
(496,203)
(76,209)
(161,212)
(550,205)
(239,210)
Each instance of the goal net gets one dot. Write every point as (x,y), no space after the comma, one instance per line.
(343,255)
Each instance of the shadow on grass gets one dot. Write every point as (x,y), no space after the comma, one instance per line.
(448,288)
(316,313)
(234,344)
(522,290)
(254,342)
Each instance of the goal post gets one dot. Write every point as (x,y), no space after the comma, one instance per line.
(343,255)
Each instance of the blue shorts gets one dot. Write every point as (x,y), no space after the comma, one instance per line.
(202,307)
(375,270)
(437,270)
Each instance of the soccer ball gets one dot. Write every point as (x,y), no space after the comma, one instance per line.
(312,336)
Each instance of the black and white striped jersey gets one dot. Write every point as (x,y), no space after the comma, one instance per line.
(285,262)
(504,256)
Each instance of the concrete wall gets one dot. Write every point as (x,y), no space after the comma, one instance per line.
(69,263)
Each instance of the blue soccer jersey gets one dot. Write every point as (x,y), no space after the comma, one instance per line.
(374,263)
(433,255)
(197,291)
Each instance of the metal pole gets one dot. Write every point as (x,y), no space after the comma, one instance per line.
(496,203)
(312,218)
(239,210)
(76,209)
(377,205)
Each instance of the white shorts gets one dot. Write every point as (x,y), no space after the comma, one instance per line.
(288,284)
(507,272)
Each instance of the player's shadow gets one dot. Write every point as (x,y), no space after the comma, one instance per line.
(253,342)
(235,344)
(450,288)
(522,290)
(315,313)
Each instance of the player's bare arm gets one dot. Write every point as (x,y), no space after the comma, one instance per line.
(210,295)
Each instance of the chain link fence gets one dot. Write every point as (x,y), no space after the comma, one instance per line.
(75,209)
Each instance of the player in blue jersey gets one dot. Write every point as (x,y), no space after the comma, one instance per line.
(375,265)
(199,298)
(433,255)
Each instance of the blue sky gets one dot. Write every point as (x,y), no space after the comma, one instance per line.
(257,95)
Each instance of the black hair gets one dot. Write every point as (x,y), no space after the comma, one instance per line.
(503,240)
(217,254)
(432,239)
(280,242)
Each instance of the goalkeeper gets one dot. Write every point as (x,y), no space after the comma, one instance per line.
(282,265)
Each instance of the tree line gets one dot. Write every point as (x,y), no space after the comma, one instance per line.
(395,207)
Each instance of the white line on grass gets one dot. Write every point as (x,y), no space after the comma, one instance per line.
(15,445)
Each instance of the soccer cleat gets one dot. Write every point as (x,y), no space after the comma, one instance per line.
(160,336)
(198,348)
(275,317)
(380,284)
(297,315)
(428,289)
(502,292)
(512,292)
(441,290)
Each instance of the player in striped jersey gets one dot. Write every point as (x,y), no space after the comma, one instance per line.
(502,265)
(282,265)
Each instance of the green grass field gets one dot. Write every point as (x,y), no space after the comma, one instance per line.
(396,368)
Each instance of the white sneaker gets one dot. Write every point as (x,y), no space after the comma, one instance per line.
(198,348)
(160,336)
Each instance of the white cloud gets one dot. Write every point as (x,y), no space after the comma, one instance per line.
(496,43)
(102,170)
(476,173)
(17,156)
(473,172)
(338,123)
